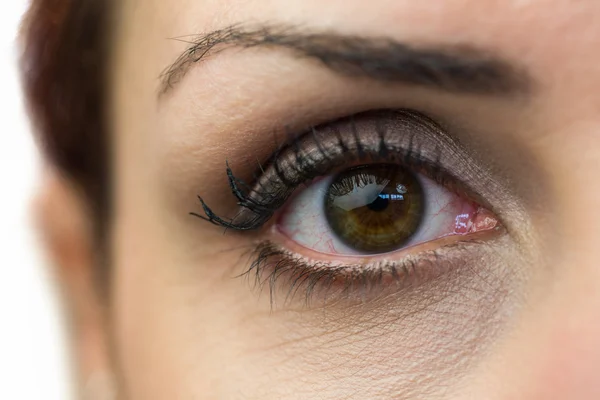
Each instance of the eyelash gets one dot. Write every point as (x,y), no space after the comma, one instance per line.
(313,154)
(263,204)
(274,268)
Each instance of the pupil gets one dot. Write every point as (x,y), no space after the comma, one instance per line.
(374,208)
(379,204)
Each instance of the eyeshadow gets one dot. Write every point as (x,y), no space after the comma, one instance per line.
(402,136)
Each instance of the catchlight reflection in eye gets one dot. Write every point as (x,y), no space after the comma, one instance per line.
(374,208)
(378,208)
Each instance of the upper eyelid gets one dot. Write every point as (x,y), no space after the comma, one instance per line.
(412,131)
(435,147)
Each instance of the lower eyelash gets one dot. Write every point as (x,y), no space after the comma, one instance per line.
(291,276)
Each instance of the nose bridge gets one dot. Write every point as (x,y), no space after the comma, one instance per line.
(554,350)
(569,318)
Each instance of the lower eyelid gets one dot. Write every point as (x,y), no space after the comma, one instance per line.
(285,271)
(281,239)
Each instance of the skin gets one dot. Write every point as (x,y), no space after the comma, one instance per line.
(521,322)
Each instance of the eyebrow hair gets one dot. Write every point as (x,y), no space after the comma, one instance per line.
(451,68)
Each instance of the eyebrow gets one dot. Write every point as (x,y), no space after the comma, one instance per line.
(452,68)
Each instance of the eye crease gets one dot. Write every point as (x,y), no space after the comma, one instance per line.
(372,192)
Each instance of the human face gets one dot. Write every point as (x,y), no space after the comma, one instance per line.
(508,311)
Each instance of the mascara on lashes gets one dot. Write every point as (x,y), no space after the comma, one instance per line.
(404,136)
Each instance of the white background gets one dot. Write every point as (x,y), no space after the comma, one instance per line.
(32,344)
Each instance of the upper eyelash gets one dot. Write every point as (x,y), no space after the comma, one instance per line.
(259,203)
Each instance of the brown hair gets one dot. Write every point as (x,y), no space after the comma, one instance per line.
(64,61)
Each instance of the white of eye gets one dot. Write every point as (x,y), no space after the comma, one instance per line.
(306,224)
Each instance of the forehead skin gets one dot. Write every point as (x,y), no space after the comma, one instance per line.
(183,330)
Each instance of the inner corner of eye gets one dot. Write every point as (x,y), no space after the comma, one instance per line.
(378,208)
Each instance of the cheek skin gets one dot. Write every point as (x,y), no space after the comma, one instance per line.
(411,343)
(182,334)
(552,355)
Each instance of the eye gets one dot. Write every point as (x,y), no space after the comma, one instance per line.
(378,208)
(383,194)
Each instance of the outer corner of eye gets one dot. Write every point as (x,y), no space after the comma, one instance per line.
(380,208)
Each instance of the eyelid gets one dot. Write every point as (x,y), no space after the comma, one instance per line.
(404,136)
(351,278)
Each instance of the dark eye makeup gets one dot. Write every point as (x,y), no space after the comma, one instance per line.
(371,167)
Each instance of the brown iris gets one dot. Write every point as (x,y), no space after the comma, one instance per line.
(374,208)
